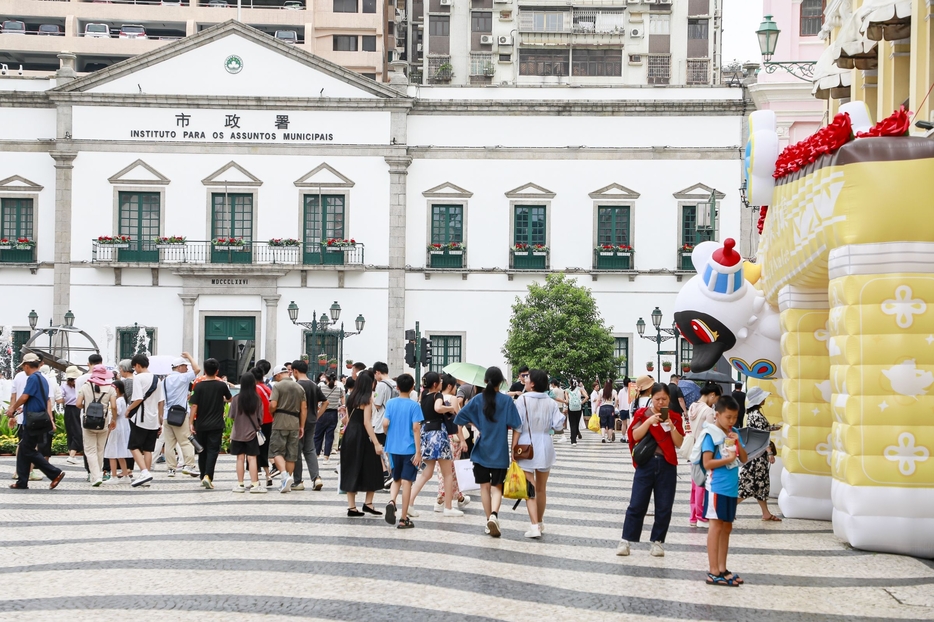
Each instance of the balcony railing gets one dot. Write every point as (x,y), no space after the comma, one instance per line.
(612,260)
(206,252)
(529,260)
(685,263)
(446,259)
(698,71)
(13,254)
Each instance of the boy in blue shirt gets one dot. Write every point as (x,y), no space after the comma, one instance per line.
(722,453)
(403,425)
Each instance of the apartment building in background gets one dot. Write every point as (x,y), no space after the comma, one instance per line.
(554,42)
(352,33)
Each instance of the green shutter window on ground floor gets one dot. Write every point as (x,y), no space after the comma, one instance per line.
(317,344)
(16,221)
(621,352)
(140,214)
(232,217)
(323,220)
(529,230)
(129,343)
(447,227)
(445,349)
(19,339)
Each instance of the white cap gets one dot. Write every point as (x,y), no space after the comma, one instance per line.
(179,362)
(281,369)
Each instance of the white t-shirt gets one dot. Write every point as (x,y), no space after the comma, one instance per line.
(147,416)
(19,385)
(383,393)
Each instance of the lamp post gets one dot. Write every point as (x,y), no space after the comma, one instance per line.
(661,335)
(768,38)
(327,325)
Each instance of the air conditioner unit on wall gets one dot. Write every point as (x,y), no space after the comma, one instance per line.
(664,1)
(447,2)
(486,39)
(636,33)
(635,59)
(505,40)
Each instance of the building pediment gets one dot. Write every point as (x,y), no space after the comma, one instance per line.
(15,183)
(139,173)
(530,191)
(232,175)
(230,60)
(700,192)
(447,190)
(615,191)
(324,176)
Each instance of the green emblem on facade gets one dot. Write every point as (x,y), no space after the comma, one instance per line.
(233,64)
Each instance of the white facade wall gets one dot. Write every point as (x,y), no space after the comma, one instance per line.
(491,148)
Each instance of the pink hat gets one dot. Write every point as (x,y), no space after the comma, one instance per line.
(100,376)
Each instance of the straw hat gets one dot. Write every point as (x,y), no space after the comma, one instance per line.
(72,372)
(644,382)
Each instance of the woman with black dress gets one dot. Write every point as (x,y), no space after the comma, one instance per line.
(361,466)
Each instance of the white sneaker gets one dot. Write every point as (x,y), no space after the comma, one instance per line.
(439,507)
(533,532)
(286,485)
(97,483)
(258,489)
(656,550)
(239,488)
(622,549)
(559,438)
(171,473)
(463,503)
(492,526)
(412,512)
(541,527)
(72,460)
(452,512)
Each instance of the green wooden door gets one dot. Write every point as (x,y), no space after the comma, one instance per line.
(16,221)
(232,217)
(447,226)
(324,220)
(140,216)
(229,328)
(529,229)
(613,230)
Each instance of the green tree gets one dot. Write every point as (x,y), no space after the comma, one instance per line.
(558,328)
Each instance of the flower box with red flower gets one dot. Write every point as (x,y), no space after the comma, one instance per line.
(115,241)
(229,244)
(5,244)
(24,244)
(539,250)
(436,249)
(338,245)
(170,242)
(455,248)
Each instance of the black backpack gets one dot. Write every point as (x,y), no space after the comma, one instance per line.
(94,418)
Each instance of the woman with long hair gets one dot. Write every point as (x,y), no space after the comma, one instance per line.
(327,422)
(644,386)
(246,410)
(449,393)
(436,446)
(606,408)
(539,416)
(361,465)
(493,416)
(659,474)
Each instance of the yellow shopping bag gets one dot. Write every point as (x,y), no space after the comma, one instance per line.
(515,486)
(594,424)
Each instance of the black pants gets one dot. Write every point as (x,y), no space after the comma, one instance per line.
(324,431)
(262,462)
(29,454)
(73,430)
(207,459)
(575,416)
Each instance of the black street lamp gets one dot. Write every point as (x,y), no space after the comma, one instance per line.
(768,39)
(661,335)
(327,325)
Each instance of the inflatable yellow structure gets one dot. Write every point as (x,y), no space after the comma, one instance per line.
(846,261)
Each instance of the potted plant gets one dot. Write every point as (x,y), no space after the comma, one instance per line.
(539,250)
(445,71)
(322,359)
(686,367)
(348,363)
(332,364)
(231,244)
(623,249)
(456,248)
(284,250)
(337,245)
(24,244)
(174,248)
(5,244)
(118,241)
(436,249)
(521,249)
(606,250)
(650,366)
(172,241)
(666,366)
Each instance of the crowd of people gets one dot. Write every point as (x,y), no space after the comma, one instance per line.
(396,437)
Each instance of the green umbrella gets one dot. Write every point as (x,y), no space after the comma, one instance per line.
(467,372)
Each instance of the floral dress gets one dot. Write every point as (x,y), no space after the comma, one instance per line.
(754,476)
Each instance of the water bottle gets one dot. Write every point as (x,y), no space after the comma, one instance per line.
(195,444)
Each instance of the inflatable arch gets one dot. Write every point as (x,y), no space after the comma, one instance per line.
(837,317)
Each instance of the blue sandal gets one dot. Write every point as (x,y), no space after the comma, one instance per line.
(738,580)
(715,579)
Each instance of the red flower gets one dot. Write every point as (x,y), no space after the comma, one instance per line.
(895,125)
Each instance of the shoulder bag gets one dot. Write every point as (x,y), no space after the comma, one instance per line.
(38,422)
(644,449)
(524,452)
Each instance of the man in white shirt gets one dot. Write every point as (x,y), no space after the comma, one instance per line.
(177,387)
(145,413)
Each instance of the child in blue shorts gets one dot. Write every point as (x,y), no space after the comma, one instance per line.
(722,454)
(403,425)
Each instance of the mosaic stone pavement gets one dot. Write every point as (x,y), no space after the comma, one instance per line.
(78,553)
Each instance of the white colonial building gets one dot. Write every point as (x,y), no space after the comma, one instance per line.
(230,133)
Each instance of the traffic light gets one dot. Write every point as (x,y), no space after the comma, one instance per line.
(410,335)
(410,354)
(426,352)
